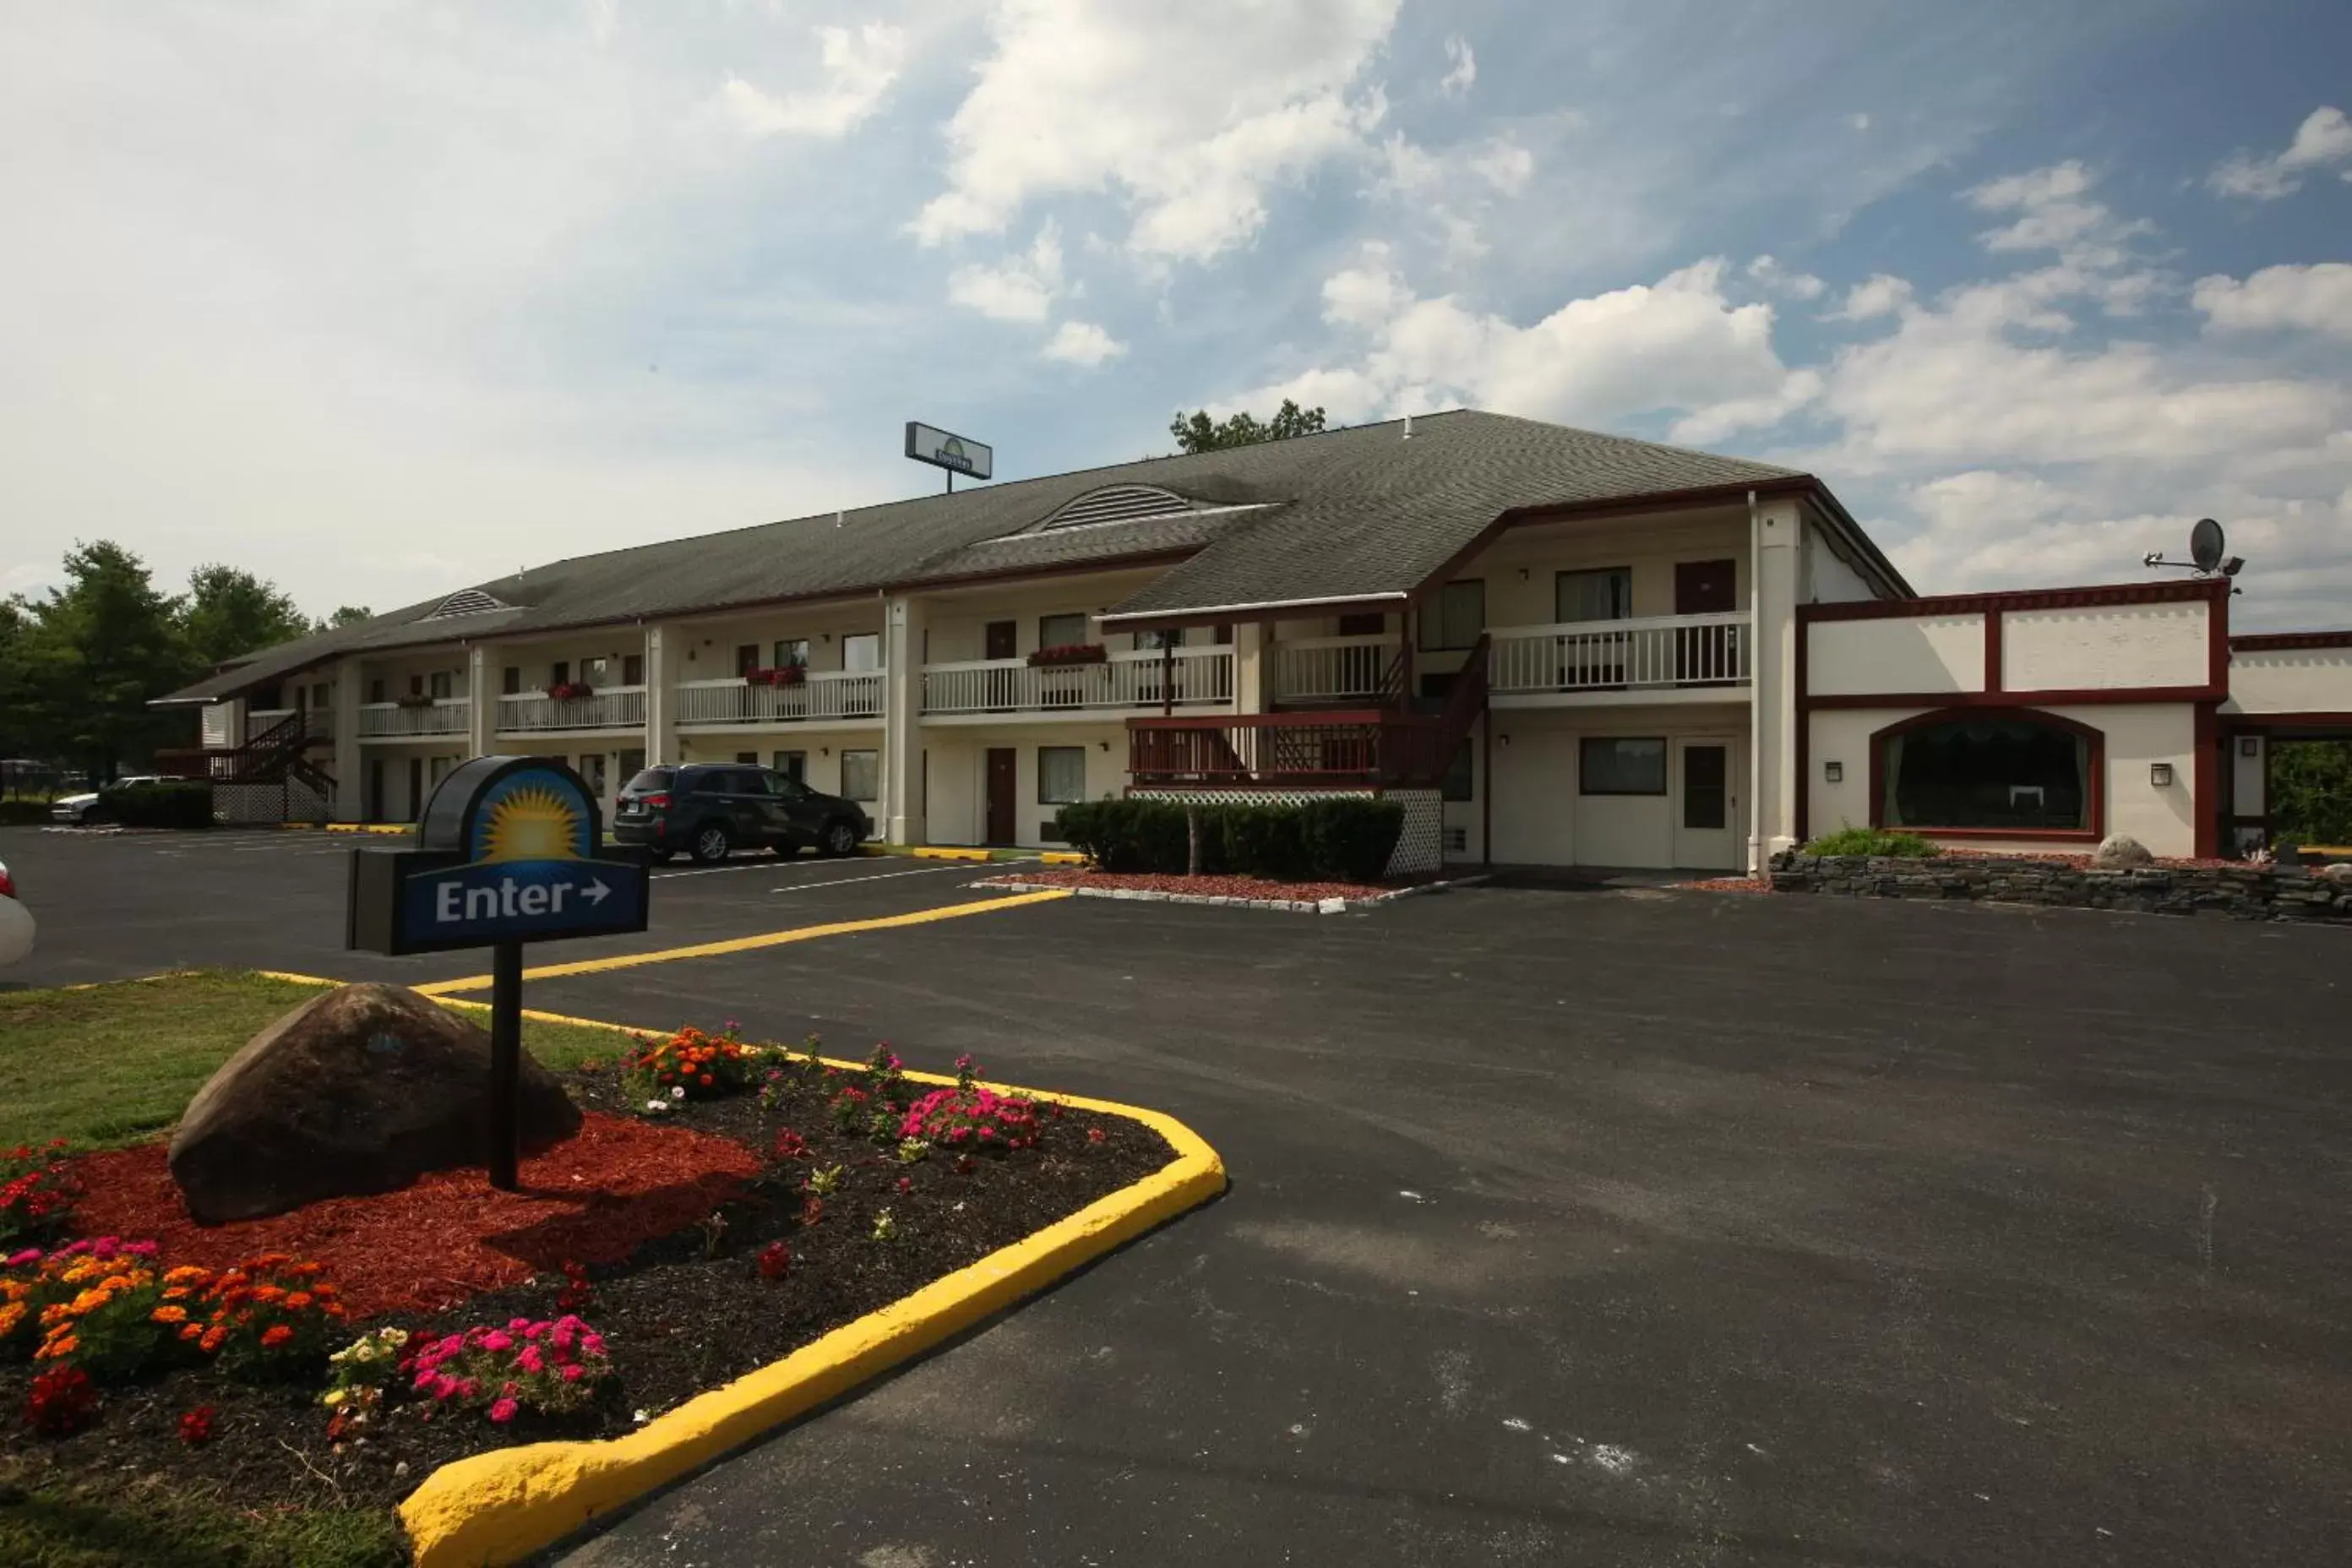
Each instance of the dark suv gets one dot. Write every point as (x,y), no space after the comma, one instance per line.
(711,809)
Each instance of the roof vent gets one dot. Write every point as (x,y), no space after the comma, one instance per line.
(466,602)
(1116,503)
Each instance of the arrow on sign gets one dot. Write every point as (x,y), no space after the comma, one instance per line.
(595,892)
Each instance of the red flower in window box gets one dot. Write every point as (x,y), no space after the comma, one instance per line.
(1068,654)
(412,700)
(567,691)
(776,675)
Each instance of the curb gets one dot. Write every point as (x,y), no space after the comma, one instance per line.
(1283,906)
(963,852)
(502,1506)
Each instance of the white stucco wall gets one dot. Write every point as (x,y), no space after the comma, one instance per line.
(956,777)
(2291,680)
(706,650)
(1828,578)
(2100,646)
(1543,819)
(1905,654)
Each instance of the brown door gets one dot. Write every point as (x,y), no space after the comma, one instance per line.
(1004,771)
(1706,654)
(1001,634)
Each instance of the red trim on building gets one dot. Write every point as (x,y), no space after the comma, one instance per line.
(1992,678)
(2144,695)
(2205,782)
(2094,781)
(1803,674)
(2283,642)
(2187,591)
(2335,721)
(2217,629)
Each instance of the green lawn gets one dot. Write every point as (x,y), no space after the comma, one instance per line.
(118,1063)
(140,1525)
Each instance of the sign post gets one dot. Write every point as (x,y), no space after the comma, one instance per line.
(956,453)
(509,850)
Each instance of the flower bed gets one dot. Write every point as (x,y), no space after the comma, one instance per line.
(341,1354)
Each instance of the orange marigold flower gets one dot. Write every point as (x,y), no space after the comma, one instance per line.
(57,1345)
(190,1332)
(267,1292)
(274,1335)
(296,1300)
(212,1338)
(169,1315)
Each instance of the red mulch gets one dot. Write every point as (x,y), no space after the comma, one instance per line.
(592,1199)
(1729,885)
(1258,888)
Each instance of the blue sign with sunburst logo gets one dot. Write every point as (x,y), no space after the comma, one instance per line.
(510,849)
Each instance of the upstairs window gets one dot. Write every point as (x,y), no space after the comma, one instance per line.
(1456,617)
(861,654)
(1061,631)
(1606,594)
(2011,772)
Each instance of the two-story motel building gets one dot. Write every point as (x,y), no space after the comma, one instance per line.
(1557,647)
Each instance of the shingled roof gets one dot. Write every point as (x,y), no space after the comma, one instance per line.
(1361,512)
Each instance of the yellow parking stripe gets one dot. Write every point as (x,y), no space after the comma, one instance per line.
(749,943)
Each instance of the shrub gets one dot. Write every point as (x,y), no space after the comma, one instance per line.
(1351,839)
(36,1191)
(550,1367)
(704,1065)
(1345,838)
(174,803)
(268,1318)
(973,1118)
(357,1375)
(91,1305)
(1873,841)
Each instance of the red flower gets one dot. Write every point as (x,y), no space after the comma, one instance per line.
(790,1145)
(197,1426)
(1097,1135)
(812,1209)
(906,1184)
(775,1259)
(61,1401)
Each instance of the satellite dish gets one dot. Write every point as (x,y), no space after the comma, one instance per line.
(2206,544)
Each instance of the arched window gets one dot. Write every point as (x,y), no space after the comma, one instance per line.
(2011,772)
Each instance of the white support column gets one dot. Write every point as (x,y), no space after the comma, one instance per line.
(1779,532)
(665,659)
(484,670)
(1249,667)
(349,789)
(902,813)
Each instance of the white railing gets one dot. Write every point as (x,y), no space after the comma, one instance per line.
(1601,656)
(1330,669)
(615,707)
(823,694)
(391,720)
(318,725)
(1193,677)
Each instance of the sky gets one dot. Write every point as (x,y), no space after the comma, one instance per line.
(380,297)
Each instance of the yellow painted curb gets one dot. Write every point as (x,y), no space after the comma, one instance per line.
(1061,858)
(947,852)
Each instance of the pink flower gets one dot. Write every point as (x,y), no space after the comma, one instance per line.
(425,1380)
(503,1411)
(498,1340)
(30,1254)
(530,1360)
(445,1386)
(574,1371)
(519,1323)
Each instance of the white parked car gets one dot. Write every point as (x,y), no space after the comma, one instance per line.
(86,807)
(15,921)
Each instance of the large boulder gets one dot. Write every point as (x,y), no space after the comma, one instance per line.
(2120,852)
(361,1089)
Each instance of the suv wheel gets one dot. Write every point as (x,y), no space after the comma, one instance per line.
(840,838)
(711,842)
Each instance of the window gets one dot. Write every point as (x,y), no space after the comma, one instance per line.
(1461,776)
(750,759)
(861,775)
(646,781)
(441,766)
(1613,766)
(794,765)
(512,682)
(1172,638)
(1705,787)
(1062,631)
(1061,776)
(1369,626)
(560,672)
(440,685)
(2013,772)
(375,690)
(747,657)
(1606,594)
(596,671)
(1457,617)
(861,653)
(792,652)
(592,772)
(633,762)
(416,686)
(321,695)
(633,669)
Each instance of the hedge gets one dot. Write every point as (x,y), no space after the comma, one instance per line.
(1345,840)
(185,803)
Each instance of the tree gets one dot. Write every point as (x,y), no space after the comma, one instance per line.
(231,612)
(1199,433)
(2310,791)
(95,651)
(344,616)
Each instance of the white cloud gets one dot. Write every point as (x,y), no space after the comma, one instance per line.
(2324,138)
(2313,299)
(1022,290)
(1083,343)
(1875,296)
(1859,121)
(1461,69)
(858,68)
(1191,114)
(1504,164)
(2055,214)
(1769,274)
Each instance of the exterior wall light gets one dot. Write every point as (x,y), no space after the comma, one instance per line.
(2250,746)
(2160,774)
(1833,771)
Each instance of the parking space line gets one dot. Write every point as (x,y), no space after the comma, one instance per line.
(751,944)
(885,876)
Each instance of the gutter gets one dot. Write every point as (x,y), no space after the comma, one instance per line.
(1256,607)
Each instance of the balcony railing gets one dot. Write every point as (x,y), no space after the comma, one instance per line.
(394,721)
(1332,669)
(319,723)
(1148,678)
(823,694)
(1615,655)
(1341,749)
(615,707)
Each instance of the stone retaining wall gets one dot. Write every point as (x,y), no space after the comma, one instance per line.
(2243,892)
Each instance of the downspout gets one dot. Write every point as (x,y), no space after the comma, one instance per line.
(1756,688)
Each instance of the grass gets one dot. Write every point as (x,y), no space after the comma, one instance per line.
(116,1064)
(137,1525)
(1873,841)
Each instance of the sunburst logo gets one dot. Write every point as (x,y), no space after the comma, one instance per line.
(533,823)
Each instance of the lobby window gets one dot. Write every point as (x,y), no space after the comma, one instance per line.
(2011,772)
(1612,764)
(861,654)
(1606,594)
(1456,617)
(1061,776)
(861,775)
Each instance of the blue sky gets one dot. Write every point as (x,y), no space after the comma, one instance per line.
(383,298)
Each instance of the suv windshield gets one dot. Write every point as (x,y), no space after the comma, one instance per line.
(648,781)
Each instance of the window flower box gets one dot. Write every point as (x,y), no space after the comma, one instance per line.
(1068,654)
(570,690)
(413,700)
(777,675)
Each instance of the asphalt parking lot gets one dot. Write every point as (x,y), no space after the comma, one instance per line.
(1626,1226)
